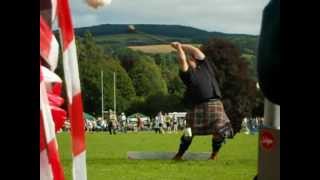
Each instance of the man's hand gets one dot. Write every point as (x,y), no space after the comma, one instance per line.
(181,56)
(176,45)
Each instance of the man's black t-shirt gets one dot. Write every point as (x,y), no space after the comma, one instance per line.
(199,83)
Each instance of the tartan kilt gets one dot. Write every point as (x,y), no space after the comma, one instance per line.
(208,118)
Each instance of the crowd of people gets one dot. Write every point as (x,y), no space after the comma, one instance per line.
(165,123)
(252,125)
(162,123)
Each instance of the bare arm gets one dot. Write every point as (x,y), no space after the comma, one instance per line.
(181,56)
(196,52)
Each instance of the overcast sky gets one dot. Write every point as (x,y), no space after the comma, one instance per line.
(229,16)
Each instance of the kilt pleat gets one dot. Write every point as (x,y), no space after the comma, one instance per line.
(207,118)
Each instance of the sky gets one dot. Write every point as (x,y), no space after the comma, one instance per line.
(228,16)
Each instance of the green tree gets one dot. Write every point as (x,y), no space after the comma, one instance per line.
(146,78)
(176,86)
(90,86)
(137,104)
(89,54)
(127,57)
(124,87)
(155,103)
(168,64)
(92,61)
(90,76)
(171,77)
(162,102)
(252,64)
(87,48)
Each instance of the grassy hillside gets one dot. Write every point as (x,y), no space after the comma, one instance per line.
(137,39)
(153,49)
(118,34)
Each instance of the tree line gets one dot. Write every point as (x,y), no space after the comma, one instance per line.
(148,83)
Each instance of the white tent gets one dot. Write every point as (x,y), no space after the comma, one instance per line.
(133,117)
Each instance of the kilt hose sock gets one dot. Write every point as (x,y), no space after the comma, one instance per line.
(216,145)
(184,144)
(186,141)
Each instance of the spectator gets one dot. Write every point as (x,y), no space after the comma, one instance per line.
(175,123)
(168,123)
(123,119)
(112,122)
(161,122)
(157,124)
(140,123)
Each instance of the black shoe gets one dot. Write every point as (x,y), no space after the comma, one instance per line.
(177,157)
(213,156)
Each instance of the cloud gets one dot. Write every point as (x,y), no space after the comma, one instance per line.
(231,16)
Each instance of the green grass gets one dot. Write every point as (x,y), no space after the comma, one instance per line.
(106,157)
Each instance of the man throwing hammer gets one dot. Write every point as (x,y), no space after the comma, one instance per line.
(207,115)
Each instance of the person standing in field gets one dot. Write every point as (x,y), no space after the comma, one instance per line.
(123,119)
(175,123)
(157,125)
(206,115)
(168,122)
(112,122)
(161,122)
(139,123)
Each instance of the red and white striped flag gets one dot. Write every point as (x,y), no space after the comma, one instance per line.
(71,73)
(52,116)
(49,47)
(50,165)
(53,85)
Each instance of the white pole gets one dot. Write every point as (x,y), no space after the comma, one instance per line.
(102,105)
(271,115)
(114,93)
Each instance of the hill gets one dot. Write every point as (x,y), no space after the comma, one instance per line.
(119,34)
(153,49)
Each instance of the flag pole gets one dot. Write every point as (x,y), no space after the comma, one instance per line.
(114,93)
(102,105)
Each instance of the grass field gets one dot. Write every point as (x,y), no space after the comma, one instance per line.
(106,157)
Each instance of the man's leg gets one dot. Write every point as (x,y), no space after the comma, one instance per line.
(217,142)
(184,145)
